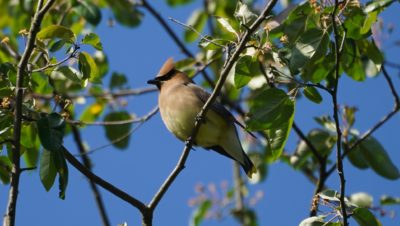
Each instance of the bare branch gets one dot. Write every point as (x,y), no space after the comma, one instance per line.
(339,161)
(104,184)
(9,217)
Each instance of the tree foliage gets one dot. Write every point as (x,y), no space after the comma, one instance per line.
(301,51)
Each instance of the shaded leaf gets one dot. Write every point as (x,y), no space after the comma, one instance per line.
(56,31)
(68,72)
(388,200)
(357,158)
(351,62)
(125,12)
(118,134)
(364,217)
(5,169)
(89,11)
(312,94)
(312,43)
(118,80)
(269,109)
(378,159)
(51,131)
(245,69)
(57,45)
(354,24)
(93,40)
(48,170)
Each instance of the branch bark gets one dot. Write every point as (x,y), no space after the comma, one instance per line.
(9,217)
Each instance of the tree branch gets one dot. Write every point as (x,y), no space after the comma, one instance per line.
(104,184)
(9,218)
(88,164)
(224,74)
(339,161)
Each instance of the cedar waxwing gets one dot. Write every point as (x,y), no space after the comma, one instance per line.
(180,101)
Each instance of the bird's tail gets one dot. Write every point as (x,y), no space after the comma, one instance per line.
(248,166)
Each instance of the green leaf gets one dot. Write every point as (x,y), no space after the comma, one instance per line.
(387,200)
(277,138)
(326,122)
(269,109)
(30,141)
(6,122)
(93,40)
(208,43)
(118,80)
(51,131)
(351,61)
(377,5)
(125,12)
(244,14)
(56,31)
(89,11)
(174,3)
(48,170)
(364,217)
(354,24)
(200,212)
(369,49)
(57,45)
(88,67)
(317,221)
(69,73)
(312,44)
(118,134)
(225,24)
(378,159)
(316,71)
(62,169)
(312,94)
(197,20)
(92,112)
(246,68)
(357,159)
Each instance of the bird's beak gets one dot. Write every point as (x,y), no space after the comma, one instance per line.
(153,81)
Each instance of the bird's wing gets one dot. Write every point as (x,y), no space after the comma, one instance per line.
(216,106)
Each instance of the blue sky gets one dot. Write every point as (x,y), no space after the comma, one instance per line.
(153,151)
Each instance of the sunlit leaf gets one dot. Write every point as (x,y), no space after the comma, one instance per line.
(225,24)
(378,5)
(92,112)
(69,73)
(246,68)
(93,40)
(361,199)
(244,14)
(88,67)
(56,31)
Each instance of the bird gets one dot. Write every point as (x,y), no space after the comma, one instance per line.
(180,100)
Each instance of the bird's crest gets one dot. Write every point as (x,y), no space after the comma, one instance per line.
(167,67)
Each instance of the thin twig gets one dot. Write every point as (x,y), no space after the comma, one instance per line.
(121,122)
(190,27)
(9,217)
(189,142)
(71,55)
(339,161)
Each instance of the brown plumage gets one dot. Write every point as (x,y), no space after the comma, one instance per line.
(180,101)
